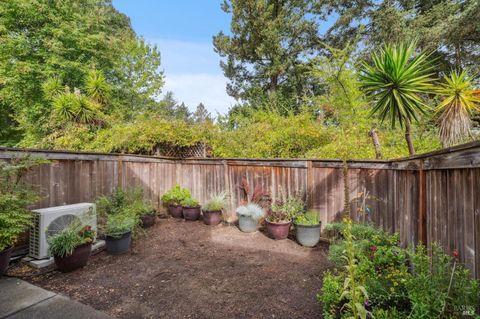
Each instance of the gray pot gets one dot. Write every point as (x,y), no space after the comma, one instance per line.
(247,224)
(118,246)
(308,235)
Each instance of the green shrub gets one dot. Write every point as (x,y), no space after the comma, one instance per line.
(190,202)
(15,196)
(120,224)
(308,218)
(128,204)
(217,202)
(401,283)
(175,195)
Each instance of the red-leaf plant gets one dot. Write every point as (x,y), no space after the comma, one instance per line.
(258,196)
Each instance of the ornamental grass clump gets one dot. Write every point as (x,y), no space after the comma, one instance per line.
(217,202)
(251,210)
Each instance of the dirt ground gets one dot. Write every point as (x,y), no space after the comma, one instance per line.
(187,269)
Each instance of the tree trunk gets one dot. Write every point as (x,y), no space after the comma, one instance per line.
(408,138)
(376,143)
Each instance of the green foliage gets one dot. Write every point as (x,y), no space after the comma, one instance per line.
(459,102)
(396,81)
(190,202)
(401,283)
(122,211)
(15,197)
(353,292)
(175,195)
(85,44)
(74,235)
(330,295)
(308,218)
(144,134)
(286,208)
(216,202)
(264,52)
(269,135)
(120,224)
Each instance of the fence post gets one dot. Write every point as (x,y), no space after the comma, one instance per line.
(422,206)
(310,184)
(120,172)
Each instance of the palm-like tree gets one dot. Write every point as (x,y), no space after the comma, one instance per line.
(459,101)
(396,81)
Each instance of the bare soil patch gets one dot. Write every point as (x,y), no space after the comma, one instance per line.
(189,270)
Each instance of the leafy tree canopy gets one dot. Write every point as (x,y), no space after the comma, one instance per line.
(47,45)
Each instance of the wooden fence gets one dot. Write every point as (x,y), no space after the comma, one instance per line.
(433,197)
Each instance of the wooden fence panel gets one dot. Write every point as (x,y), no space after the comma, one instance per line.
(449,191)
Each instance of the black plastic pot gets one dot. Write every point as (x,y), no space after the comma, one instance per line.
(77,259)
(118,246)
(5,259)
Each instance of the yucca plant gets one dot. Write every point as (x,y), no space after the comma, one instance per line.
(97,87)
(396,81)
(459,101)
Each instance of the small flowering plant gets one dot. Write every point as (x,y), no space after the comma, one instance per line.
(74,235)
(88,234)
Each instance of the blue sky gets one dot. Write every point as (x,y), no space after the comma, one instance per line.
(183,31)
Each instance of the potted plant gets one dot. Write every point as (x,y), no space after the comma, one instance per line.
(212,209)
(281,214)
(71,247)
(308,228)
(191,208)
(118,233)
(15,196)
(248,217)
(173,200)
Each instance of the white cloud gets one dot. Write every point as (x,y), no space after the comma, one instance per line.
(193,74)
(200,87)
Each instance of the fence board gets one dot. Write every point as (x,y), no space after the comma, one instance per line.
(452,194)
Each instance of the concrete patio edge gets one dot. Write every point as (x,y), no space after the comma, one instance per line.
(20,299)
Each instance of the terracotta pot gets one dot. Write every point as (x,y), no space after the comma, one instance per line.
(77,259)
(191,213)
(212,217)
(5,259)
(278,230)
(120,245)
(176,211)
(148,220)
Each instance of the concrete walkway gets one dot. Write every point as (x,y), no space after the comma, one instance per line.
(19,299)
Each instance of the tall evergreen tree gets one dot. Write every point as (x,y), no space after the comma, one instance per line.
(201,115)
(268,49)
